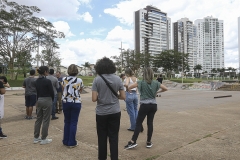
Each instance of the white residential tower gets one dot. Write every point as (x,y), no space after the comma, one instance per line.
(210,38)
(152,30)
(185,40)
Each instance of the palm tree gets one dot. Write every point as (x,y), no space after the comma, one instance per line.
(218,70)
(229,70)
(222,70)
(198,67)
(234,70)
(213,70)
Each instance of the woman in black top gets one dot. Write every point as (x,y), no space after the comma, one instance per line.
(45,96)
(160,79)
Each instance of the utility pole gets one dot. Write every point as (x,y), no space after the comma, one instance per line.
(121,57)
(38,56)
(182,68)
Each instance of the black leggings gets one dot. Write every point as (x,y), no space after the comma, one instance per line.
(148,110)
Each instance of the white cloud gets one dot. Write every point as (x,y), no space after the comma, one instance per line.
(85,1)
(99,15)
(81,33)
(86,17)
(118,34)
(63,27)
(57,9)
(98,32)
(226,10)
(89,50)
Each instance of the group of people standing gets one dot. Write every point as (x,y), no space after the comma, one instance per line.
(53,95)
(107,90)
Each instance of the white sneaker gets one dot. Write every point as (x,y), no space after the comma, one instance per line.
(36,140)
(46,141)
(149,144)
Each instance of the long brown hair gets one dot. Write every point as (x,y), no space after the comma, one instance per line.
(129,72)
(148,75)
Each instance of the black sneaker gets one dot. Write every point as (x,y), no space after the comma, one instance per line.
(2,135)
(149,144)
(53,118)
(130,145)
(29,118)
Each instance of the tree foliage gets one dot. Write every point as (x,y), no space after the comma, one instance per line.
(22,32)
(171,61)
(132,59)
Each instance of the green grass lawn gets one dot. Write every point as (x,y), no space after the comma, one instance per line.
(88,80)
(196,80)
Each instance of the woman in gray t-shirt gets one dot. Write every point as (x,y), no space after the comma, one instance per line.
(108,109)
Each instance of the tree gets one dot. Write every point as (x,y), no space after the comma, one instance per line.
(20,30)
(234,70)
(86,65)
(222,70)
(51,57)
(218,70)
(198,67)
(213,70)
(130,59)
(23,63)
(171,60)
(136,60)
(229,70)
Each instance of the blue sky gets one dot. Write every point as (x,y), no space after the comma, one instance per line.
(95,28)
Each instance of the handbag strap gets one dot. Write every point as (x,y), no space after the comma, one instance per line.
(107,83)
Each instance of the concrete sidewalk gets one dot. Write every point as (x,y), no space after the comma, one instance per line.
(188,125)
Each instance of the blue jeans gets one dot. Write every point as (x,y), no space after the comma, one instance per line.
(71,113)
(132,104)
(54,106)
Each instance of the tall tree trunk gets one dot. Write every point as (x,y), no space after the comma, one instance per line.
(16,76)
(11,68)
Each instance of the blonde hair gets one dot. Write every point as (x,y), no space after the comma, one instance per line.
(148,75)
(129,72)
(72,70)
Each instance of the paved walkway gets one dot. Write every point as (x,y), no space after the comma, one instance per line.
(188,125)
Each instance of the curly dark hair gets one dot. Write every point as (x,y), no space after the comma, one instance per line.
(105,66)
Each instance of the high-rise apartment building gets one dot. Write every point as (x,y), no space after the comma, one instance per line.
(239,43)
(152,30)
(210,39)
(185,40)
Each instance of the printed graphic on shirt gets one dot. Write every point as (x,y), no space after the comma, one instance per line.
(71,89)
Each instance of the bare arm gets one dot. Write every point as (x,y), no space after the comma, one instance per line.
(122,95)
(6,85)
(163,88)
(134,85)
(126,83)
(94,96)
